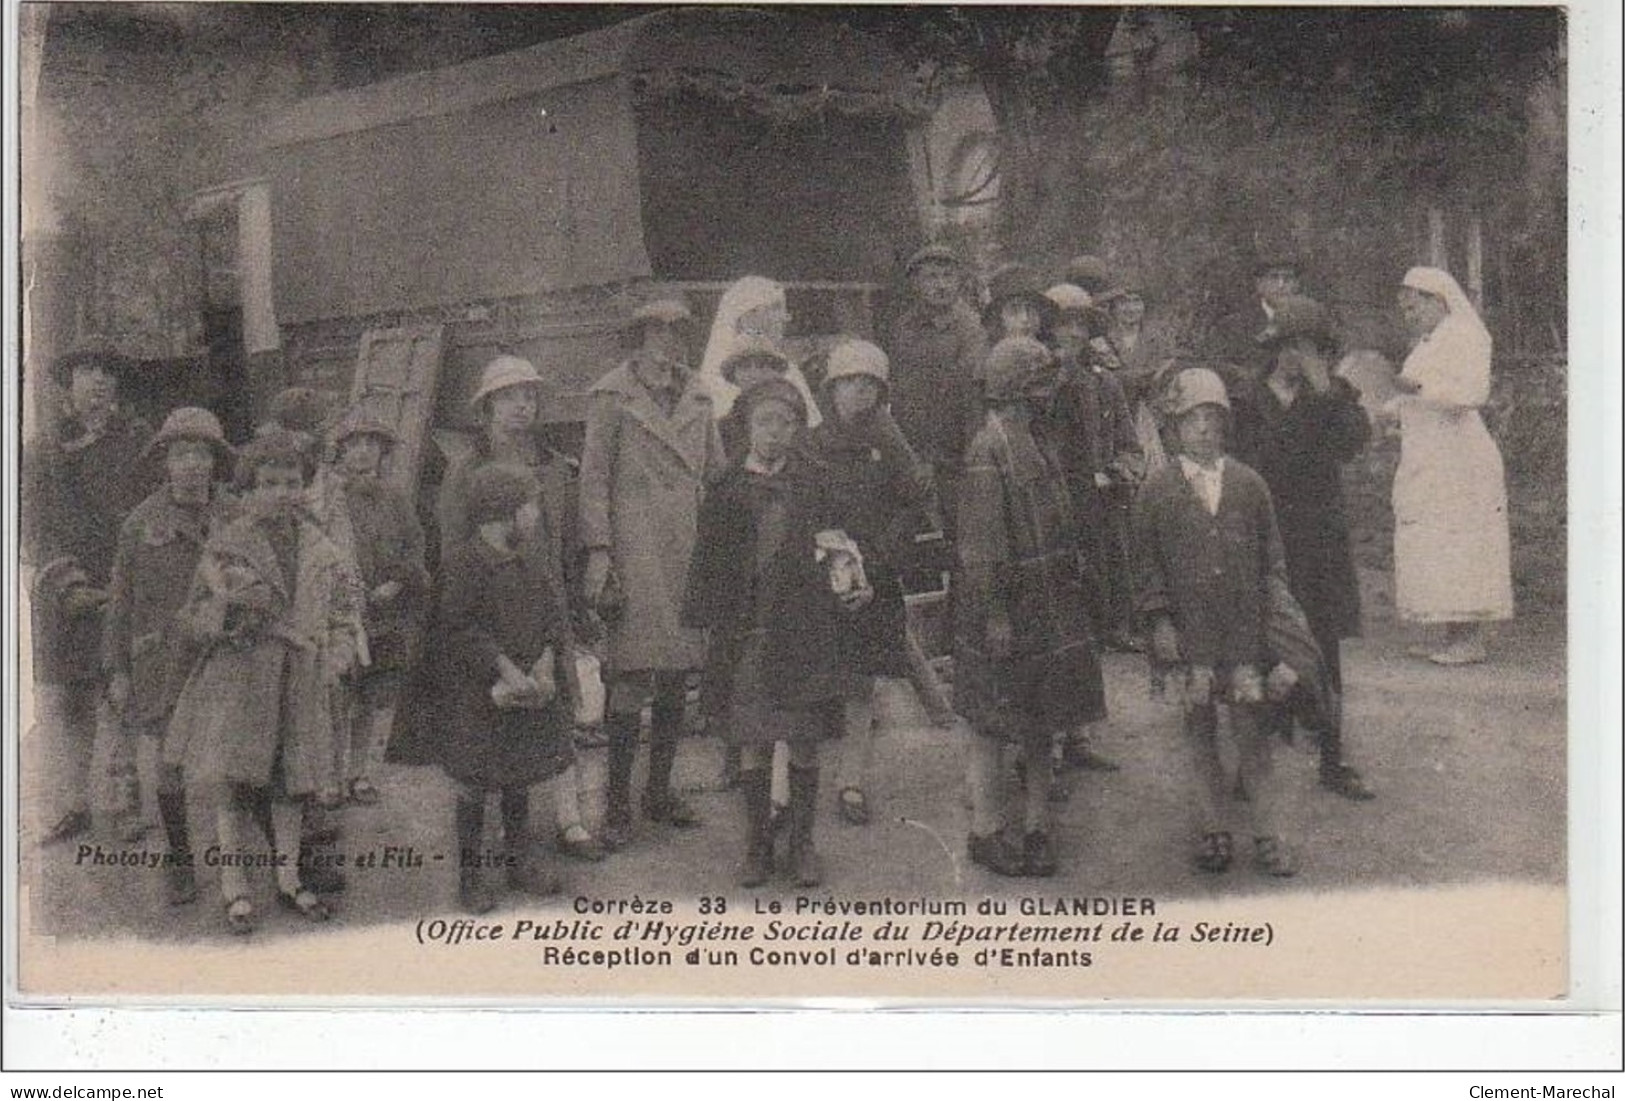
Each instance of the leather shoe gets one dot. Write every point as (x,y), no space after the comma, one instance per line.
(996,854)
(671,809)
(69,826)
(585,847)
(323,879)
(1081,755)
(1273,857)
(180,885)
(615,834)
(1215,852)
(1345,780)
(1038,854)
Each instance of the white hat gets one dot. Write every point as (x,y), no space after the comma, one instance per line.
(504,372)
(1196,386)
(857,357)
(1069,298)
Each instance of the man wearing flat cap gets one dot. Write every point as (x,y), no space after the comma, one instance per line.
(651,447)
(81,480)
(936,347)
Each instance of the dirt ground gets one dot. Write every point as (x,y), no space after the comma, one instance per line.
(1469,766)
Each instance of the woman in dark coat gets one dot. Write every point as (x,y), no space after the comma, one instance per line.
(1297,428)
(500,619)
(774,672)
(81,480)
(881,496)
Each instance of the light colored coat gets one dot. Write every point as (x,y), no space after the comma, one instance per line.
(643,473)
(233,712)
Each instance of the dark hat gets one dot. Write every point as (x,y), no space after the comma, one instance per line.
(1276,261)
(298,409)
(1071,300)
(1013,366)
(496,491)
(1116,293)
(358,422)
(277,447)
(118,367)
(1300,318)
(192,423)
(1091,273)
(931,254)
(772,389)
(753,351)
(1016,281)
(669,308)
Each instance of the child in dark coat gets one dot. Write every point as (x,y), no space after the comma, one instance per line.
(1210,563)
(1025,666)
(388,543)
(881,495)
(501,635)
(774,672)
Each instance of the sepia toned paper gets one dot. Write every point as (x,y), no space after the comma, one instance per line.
(1452,888)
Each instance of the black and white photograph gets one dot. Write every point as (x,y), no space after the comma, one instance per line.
(745,502)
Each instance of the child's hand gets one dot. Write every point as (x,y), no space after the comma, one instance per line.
(329,797)
(1246,685)
(386,592)
(342,656)
(856,599)
(512,676)
(1165,642)
(1281,681)
(1199,686)
(543,677)
(597,574)
(118,693)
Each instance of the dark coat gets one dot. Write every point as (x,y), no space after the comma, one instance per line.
(77,494)
(880,495)
(159,547)
(1237,349)
(389,546)
(557,541)
(1018,561)
(754,571)
(935,387)
(493,602)
(643,472)
(1210,574)
(1299,450)
(1092,432)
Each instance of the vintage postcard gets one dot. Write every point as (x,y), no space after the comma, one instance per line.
(957,505)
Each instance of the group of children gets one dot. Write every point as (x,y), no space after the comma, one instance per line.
(268,637)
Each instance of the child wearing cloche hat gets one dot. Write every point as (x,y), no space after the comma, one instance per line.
(1209,567)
